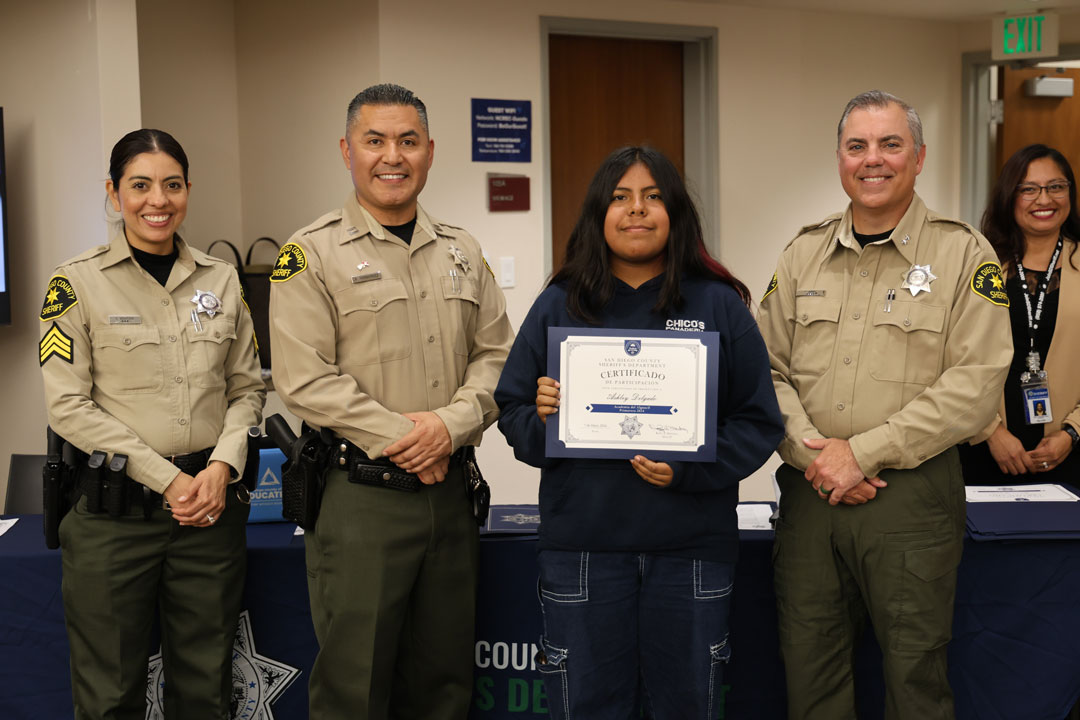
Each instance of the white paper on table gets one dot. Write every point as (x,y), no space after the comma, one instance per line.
(298,531)
(6,525)
(754,516)
(1019,493)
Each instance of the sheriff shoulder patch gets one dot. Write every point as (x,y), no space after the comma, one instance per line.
(988,283)
(768,290)
(59,298)
(56,343)
(291,261)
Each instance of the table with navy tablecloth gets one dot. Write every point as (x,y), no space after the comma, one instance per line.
(1015,653)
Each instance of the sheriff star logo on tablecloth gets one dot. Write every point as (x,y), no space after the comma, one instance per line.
(257,681)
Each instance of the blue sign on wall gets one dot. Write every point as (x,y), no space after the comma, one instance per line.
(502,130)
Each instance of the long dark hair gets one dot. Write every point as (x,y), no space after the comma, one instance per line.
(999,221)
(146,140)
(586,273)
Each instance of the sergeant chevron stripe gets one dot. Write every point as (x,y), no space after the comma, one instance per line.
(55,342)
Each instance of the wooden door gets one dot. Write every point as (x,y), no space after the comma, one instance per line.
(605,93)
(1051,121)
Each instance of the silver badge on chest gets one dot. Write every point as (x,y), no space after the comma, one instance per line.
(918,279)
(460,258)
(206,302)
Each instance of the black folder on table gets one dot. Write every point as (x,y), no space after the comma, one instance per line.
(1024,520)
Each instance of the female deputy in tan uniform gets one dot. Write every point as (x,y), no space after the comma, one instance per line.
(148,352)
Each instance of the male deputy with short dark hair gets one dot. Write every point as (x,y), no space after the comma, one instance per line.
(888,334)
(389,334)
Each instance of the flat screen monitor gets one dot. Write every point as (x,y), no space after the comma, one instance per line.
(5,279)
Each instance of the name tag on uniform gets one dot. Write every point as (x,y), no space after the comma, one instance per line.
(809,293)
(125,320)
(367,277)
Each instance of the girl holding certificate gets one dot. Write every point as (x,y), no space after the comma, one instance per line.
(637,557)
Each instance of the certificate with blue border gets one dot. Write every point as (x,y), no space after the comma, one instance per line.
(633,392)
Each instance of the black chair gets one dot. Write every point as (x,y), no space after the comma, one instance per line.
(24,494)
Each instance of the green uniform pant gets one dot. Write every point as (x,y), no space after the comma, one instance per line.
(893,559)
(116,573)
(392,581)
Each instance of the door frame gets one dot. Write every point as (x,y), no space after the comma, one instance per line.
(701,110)
(977,148)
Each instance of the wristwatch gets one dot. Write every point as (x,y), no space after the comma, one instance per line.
(1072,434)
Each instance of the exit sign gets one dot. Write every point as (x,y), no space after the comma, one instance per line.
(1024,36)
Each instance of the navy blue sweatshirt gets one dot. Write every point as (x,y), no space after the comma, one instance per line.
(603,505)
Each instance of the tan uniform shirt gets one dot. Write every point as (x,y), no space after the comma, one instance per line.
(901,384)
(126,370)
(366,327)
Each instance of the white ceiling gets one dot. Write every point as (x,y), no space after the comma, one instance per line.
(925,9)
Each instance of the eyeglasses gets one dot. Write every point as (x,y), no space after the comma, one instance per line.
(1055,189)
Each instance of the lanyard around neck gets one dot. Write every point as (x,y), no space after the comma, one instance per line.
(1034,317)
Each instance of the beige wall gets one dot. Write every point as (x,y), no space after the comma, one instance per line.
(60,91)
(256,90)
(298,65)
(189,89)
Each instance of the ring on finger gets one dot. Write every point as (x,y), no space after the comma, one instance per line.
(210,518)
(823,491)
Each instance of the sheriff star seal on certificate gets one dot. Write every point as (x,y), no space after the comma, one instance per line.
(630,427)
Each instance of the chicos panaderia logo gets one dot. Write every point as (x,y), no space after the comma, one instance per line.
(291,261)
(988,283)
(684,325)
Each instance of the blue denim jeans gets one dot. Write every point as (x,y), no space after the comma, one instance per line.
(626,632)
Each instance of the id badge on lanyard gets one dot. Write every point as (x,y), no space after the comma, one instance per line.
(1036,394)
(1033,383)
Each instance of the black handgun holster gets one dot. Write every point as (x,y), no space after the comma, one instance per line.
(475,485)
(57,481)
(302,480)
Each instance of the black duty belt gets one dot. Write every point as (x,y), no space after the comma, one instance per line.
(117,494)
(192,463)
(381,473)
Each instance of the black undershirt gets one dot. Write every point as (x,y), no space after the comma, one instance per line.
(979,465)
(159,266)
(865,240)
(405,231)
